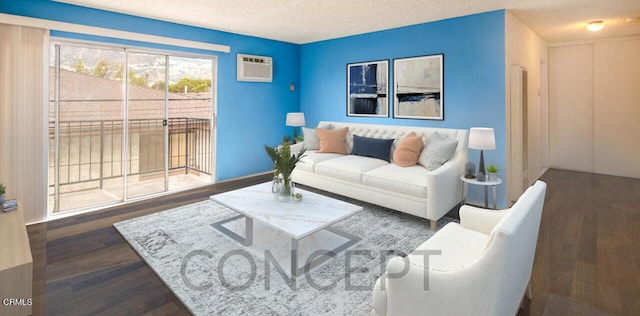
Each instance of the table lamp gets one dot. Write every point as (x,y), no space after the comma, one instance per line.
(482,138)
(295,119)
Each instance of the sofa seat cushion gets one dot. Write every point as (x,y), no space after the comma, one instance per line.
(349,168)
(408,180)
(460,247)
(312,158)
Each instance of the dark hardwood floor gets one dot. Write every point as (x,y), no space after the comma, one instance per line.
(588,254)
(587,260)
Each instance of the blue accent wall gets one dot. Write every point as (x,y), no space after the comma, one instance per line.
(253,114)
(249,114)
(474,76)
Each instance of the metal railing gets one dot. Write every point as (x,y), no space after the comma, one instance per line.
(91,151)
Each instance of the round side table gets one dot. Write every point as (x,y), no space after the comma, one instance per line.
(486,184)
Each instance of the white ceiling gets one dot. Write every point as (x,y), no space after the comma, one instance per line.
(304,21)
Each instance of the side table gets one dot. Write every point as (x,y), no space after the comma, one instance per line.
(486,185)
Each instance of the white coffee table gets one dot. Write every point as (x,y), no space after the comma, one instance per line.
(296,219)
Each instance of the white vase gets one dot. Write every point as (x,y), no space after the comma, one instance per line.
(493,176)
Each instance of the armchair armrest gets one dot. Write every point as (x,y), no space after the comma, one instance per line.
(413,289)
(479,219)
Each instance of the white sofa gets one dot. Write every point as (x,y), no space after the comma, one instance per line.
(483,269)
(414,190)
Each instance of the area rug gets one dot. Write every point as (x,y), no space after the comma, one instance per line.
(212,274)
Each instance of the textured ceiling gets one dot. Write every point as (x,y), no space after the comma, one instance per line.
(304,21)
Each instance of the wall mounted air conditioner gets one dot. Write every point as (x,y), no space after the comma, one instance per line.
(255,68)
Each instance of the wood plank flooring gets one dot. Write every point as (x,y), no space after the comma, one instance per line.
(588,254)
(587,260)
(82,266)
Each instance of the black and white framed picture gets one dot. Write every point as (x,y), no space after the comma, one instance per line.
(418,87)
(368,88)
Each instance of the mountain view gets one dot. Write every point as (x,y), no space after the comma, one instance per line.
(144,68)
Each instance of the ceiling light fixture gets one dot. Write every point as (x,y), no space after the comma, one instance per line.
(595,26)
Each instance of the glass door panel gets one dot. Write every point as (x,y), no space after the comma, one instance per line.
(190,129)
(146,120)
(86,117)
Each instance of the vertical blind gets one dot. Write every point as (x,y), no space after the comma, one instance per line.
(23,149)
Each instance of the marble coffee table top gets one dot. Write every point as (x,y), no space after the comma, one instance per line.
(295,218)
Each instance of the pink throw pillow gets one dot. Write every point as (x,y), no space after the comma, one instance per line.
(408,151)
(333,141)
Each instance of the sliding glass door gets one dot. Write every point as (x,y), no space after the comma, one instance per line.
(126,125)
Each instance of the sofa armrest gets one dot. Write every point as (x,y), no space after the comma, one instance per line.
(479,219)
(444,188)
(297,147)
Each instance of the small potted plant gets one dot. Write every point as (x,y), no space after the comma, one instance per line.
(2,193)
(493,172)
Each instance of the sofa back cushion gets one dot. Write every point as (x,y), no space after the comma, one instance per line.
(372,147)
(408,150)
(333,141)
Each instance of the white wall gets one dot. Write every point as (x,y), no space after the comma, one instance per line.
(595,107)
(526,49)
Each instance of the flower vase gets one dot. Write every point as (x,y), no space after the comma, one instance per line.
(287,188)
(276,186)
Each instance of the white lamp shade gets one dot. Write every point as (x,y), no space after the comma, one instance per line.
(482,138)
(295,119)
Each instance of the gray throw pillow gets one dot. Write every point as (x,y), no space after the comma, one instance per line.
(311,140)
(437,151)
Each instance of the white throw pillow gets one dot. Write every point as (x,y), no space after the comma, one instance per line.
(437,151)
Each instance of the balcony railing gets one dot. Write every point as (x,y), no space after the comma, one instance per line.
(92,151)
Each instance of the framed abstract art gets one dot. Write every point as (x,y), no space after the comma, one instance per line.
(368,88)
(418,87)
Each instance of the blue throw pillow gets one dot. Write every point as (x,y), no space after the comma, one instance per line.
(372,147)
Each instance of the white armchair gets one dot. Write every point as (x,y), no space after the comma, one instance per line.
(479,267)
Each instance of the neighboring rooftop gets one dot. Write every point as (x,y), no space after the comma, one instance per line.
(86,97)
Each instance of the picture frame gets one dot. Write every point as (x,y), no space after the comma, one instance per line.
(368,89)
(419,87)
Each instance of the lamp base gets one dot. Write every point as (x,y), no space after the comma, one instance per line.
(481,175)
(295,134)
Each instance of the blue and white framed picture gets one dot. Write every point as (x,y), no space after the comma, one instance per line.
(418,87)
(368,88)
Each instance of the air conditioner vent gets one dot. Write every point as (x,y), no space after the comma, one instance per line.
(255,68)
